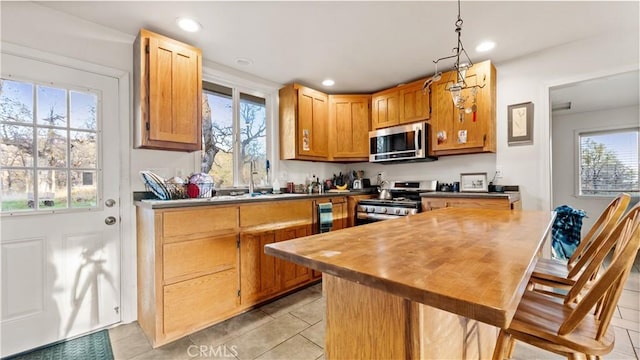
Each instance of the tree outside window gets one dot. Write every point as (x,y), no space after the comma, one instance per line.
(608,162)
(231,142)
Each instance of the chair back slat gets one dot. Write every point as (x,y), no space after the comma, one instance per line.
(597,234)
(625,239)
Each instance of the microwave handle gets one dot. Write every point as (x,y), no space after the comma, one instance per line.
(416,139)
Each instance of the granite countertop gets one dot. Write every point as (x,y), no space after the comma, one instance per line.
(237,199)
(511,195)
(472,262)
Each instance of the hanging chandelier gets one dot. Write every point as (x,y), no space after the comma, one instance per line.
(456,88)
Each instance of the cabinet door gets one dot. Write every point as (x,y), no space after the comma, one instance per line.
(455,131)
(258,271)
(349,127)
(453,128)
(292,274)
(339,216)
(174,96)
(414,103)
(313,118)
(385,110)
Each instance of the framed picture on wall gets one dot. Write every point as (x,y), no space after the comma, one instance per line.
(520,124)
(474,182)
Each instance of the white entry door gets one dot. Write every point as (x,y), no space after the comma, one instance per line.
(60,226)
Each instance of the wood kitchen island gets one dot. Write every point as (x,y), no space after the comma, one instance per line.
(436,285)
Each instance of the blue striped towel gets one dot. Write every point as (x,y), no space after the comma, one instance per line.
(325,215)
(565,233)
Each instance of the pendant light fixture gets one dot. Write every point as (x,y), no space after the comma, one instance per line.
(460,70)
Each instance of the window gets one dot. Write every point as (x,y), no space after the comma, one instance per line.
(608,162)
(234,133)
(49,142)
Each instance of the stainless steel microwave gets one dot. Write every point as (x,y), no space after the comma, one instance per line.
(404,142)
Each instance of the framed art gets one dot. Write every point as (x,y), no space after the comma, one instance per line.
(520,124)
(474,182)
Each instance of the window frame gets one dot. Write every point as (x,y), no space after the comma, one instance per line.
(68,87)
(237,87)
(578,133)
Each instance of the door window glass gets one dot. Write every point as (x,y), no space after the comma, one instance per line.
(49,147)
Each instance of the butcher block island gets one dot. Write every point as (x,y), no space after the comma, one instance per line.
(436,285)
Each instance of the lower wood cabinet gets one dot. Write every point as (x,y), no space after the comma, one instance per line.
(433,203)
(258,271)
(198,266)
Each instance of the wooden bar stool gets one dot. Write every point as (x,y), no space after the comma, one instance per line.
(557,274)
(569,326)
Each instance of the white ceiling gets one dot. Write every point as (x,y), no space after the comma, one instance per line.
(363,46)
(598,94)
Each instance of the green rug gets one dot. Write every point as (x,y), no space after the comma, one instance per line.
(96,346)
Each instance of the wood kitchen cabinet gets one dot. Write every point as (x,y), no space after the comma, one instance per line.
(304,118)
(414,103)
(480,202)
(451,134)
(262,277)
(188,270)
(167,93)
(349,127)
(352,203)
(385,108)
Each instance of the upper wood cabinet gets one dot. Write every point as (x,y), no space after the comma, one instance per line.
(414,103)
(167,94)
(349,127)
(303,123)
(402,104)
(458,132)
(385,108)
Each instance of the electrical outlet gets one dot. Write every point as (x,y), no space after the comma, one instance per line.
(499,173)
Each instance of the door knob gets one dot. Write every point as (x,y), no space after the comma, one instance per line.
(110,220)
(110,202)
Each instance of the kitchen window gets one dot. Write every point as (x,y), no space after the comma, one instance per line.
(49,146)
(234,132)
(608,162)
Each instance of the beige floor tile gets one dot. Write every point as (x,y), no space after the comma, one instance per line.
(614,355)
(122,331)
(623,343)
(181,349)
(321,357)
(635,338)
(296,347)
(626,324)
(633,283)
(262,339)
(629,314)
(292,302)
(134,344)
(315,333)
(630,299)
(238,325)
(312,312)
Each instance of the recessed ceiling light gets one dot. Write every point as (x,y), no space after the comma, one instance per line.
(485,46)
(188,24)
(328,82)
(244,61)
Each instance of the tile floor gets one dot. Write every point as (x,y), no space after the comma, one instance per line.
(293,328)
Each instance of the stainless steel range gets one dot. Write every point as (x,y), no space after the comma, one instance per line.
(406,201)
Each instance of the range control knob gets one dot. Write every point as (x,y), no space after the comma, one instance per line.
(383,210)
(398,211)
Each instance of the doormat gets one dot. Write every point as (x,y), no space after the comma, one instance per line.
(96,346)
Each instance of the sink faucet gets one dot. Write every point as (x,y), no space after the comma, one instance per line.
(252,171)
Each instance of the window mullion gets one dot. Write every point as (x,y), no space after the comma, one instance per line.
(237,160)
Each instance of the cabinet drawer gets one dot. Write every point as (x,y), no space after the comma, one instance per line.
(274,213)
(477,203)
(193,223)
(194,303)
(199,257)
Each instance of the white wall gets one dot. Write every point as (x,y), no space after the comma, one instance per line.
(529,79)
(564,155)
